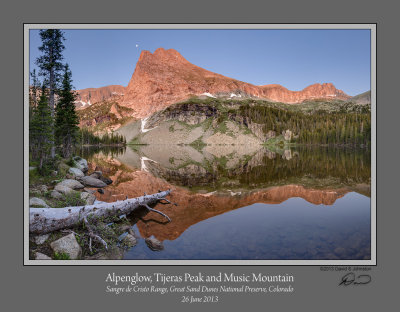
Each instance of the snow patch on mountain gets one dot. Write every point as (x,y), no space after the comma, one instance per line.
(143,125)
(208,94)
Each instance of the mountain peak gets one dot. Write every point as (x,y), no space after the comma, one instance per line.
(166,77)
(324,85)
(161,54)
(144,54)
(168,53)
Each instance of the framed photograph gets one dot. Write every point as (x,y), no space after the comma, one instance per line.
(200,144)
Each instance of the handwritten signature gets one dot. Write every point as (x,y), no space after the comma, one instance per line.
(352,279)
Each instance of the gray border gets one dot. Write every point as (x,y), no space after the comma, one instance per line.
(371,27)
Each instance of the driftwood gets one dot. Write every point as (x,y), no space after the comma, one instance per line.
(46,220)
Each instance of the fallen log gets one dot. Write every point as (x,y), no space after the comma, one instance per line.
(46,220)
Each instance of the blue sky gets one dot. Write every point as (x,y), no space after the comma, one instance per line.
(292,58)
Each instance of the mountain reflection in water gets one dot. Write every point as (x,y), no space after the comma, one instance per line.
(244,203)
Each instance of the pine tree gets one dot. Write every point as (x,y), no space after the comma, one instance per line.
(66,122)
(41,131)
(34,89)
(50,64)
(33,92)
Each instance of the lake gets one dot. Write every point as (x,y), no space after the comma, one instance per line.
(239,202)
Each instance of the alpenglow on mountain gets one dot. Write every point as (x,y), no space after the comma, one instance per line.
(165,77)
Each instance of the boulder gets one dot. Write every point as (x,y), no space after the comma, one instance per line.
(56,195)
(43,188)
(40,256)
(76,172)
(88,198)
(106,180)
(81,163)
(73,184)
(63,189)
(89,181)
(154,244)
(40,239)
(129,240)
(37,202)
(34,191)
(124,227)
(101,191)
(68,245)
(97,174)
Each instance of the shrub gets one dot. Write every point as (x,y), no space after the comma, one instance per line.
(61,256)
(70,200)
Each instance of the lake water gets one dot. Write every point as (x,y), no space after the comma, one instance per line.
(244,202)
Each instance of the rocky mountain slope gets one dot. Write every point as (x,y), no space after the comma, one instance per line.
(279,93)
(218,121)
(90,96)
(196,122)
(104,116)
(166,77)
(362,99)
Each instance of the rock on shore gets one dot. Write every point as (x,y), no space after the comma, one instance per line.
(68,245)
(93,182)
(37,202)
(72,184)
(154,244)
(81,164)
(77,173)
(40,256)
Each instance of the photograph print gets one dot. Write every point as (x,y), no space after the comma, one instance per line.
(161,145)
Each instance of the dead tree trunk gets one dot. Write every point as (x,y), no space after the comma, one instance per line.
(45,220)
